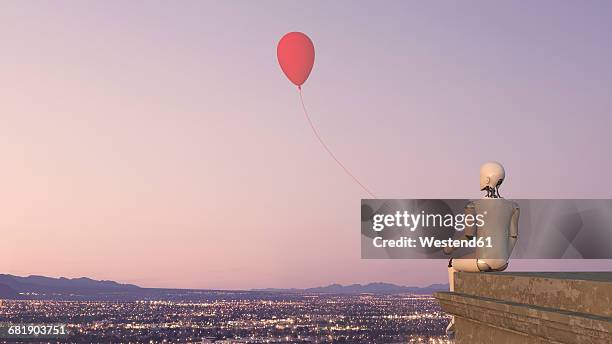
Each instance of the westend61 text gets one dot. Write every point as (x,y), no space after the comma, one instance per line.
(432,242)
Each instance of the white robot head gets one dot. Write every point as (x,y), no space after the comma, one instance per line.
(492,174)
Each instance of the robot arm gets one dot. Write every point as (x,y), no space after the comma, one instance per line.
(513,229)
(468,233)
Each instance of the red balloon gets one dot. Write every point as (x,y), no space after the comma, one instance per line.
(295,53)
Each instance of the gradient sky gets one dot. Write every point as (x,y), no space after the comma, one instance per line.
(158,143)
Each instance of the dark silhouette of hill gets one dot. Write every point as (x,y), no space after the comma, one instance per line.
(32,286)
(35,283)
(7,292)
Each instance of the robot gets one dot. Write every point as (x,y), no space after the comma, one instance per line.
(500,224)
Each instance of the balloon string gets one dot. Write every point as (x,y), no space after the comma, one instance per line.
(316,132)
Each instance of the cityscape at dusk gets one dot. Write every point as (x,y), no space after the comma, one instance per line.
(347,171)
(291,319)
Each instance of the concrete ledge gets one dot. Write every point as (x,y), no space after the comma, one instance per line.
(531,307)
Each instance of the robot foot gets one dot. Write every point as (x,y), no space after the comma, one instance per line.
(450,329)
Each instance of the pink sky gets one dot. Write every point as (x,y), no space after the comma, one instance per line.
(159,143)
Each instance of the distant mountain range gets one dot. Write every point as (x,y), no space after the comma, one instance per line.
(33,286)
(41,287)
(370,288)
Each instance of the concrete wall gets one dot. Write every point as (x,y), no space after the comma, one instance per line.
(531,307)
